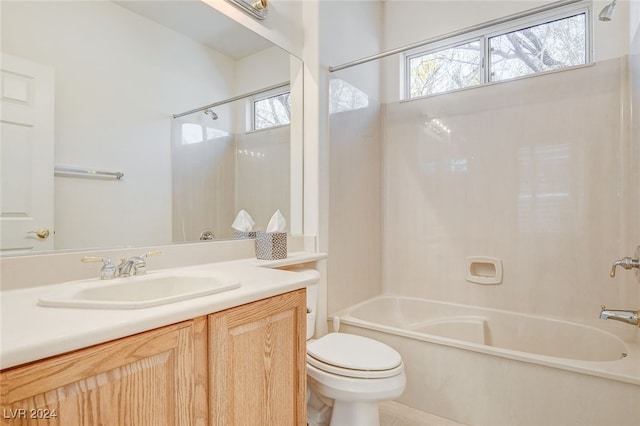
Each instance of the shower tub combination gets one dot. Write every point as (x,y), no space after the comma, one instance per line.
(480,366)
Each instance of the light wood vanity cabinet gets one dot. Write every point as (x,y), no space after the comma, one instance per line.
(257,355)
(147,379)
(242,366)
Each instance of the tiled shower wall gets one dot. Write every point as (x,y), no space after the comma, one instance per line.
(214,179)
(533,172)
(541,173)
(356,210)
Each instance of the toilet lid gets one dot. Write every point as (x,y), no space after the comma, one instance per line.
(352,352)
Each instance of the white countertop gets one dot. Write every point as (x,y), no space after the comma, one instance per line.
(30,332)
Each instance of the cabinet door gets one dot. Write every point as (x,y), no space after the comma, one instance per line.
(257,363)
(154,378)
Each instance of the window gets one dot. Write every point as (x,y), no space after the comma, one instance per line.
(271,110)
(448,69)
(545,47)
(516,49)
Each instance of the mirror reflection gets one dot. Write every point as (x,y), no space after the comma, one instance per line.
(94,86)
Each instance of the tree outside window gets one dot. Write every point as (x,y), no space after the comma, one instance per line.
(272,111)
(552,45)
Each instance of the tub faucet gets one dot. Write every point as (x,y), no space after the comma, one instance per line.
(630,317)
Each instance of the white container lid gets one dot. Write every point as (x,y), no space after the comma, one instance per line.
(354,352)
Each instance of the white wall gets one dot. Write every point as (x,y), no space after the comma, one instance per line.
(119,77)
(265,68)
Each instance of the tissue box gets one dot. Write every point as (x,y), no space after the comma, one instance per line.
(271,245)
(238,235)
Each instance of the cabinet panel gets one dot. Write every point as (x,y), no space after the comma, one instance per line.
(257,361)
(154,378)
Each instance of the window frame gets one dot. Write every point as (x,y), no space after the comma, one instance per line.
(485,34)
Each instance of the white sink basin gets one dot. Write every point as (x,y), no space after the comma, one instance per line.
(136,292)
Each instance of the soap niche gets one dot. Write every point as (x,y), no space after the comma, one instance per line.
(483,270)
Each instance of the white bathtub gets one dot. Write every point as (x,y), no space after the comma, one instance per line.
(489,367)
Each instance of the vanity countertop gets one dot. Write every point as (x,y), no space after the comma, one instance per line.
(30,332)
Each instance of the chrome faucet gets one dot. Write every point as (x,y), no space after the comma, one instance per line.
(629,317)
(136,263)
(125,266)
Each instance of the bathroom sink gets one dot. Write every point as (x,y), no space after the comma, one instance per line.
(136,292)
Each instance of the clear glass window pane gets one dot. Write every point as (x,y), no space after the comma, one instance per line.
(444,70)
(546,47)
(272,111)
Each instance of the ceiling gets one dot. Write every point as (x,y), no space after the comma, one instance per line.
(202,23)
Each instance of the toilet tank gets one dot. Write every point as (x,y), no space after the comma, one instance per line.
(312,307)
(312,297)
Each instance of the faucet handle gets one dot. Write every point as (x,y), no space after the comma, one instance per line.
(612,273)
(108,271)
(626,263)
(151,253)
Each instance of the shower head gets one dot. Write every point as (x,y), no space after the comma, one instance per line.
(214,116)
(607,12)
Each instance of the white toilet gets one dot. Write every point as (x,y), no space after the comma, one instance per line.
(354,371)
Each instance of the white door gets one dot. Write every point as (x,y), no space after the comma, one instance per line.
(26,155)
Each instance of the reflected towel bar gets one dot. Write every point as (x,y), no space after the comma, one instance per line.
(86,173)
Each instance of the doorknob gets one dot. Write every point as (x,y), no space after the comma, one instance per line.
(42,233)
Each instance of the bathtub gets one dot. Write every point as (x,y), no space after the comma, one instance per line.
(480,366)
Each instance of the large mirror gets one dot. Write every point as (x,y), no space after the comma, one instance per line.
(94,86)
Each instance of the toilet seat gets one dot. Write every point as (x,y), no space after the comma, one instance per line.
(354,356)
